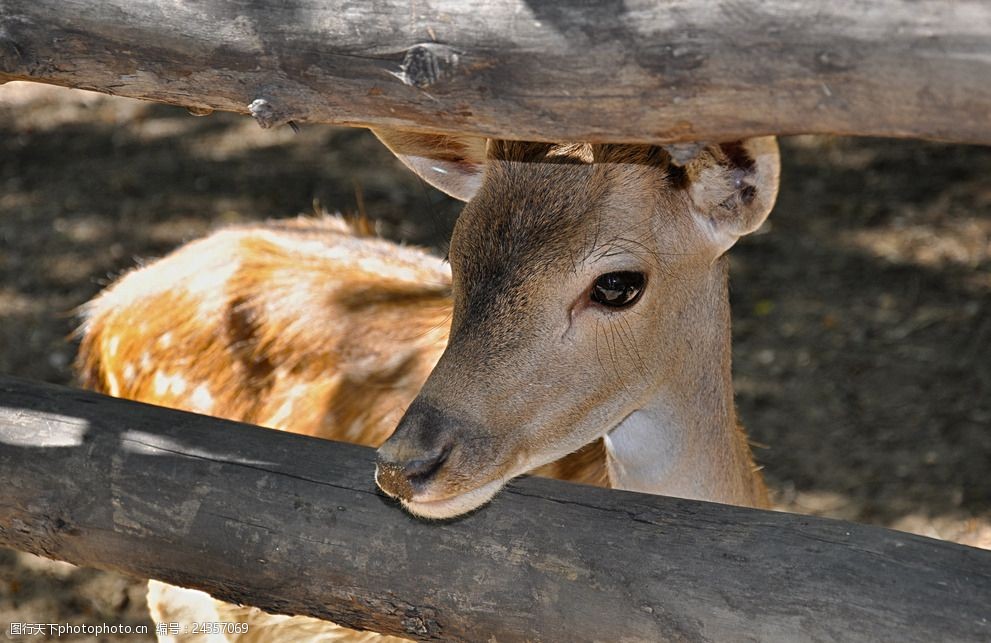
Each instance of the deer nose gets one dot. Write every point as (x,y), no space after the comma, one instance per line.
(416,452)
(403,478)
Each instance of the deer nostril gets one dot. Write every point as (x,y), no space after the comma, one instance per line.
(398,478)
(422,469)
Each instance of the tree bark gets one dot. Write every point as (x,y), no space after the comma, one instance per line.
(295,525)
(631,71)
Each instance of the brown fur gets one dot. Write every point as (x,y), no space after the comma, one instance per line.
(544,222)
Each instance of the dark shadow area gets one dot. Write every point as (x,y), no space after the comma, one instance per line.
(863,327)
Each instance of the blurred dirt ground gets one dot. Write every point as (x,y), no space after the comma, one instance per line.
(862,310)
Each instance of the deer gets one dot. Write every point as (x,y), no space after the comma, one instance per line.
(580,329)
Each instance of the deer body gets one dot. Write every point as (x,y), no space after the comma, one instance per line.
(275,325)
(582,330)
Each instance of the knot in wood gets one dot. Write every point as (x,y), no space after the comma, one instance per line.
(427,64)
(266,114)
(829,61)
(202,110)
(414,625)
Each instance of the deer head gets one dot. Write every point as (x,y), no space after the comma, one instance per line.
(589,301)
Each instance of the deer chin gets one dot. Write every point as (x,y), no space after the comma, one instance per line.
(458,505)
(454,506)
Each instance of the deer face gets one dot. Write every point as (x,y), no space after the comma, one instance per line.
(577,271)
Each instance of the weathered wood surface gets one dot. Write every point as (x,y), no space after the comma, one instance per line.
(295,525)
(627,71)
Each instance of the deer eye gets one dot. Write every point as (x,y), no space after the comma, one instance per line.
(618,289)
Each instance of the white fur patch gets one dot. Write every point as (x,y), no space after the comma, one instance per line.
(174,385)
(281,415)
(113,386)
(201,400)
(640,454)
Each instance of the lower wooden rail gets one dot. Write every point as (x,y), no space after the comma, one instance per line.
(295,525)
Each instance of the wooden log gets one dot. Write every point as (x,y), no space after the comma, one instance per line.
(294,525)
(595,71)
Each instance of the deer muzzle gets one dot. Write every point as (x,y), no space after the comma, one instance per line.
(428,466)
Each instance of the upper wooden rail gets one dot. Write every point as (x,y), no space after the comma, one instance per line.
(295,525)
(619,71)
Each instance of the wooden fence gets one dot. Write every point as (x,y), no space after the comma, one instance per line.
(630,71)
(295,525)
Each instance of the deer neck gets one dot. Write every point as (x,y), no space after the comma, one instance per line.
(685,441)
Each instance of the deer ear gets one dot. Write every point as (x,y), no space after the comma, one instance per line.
(732,187)
(452,164)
